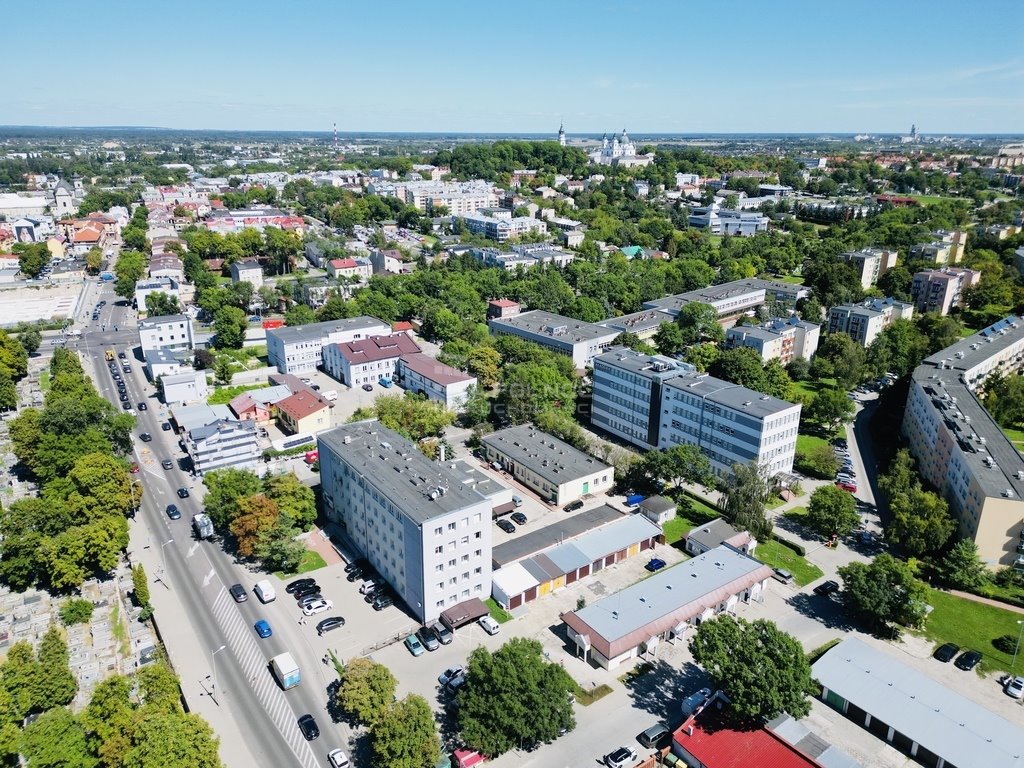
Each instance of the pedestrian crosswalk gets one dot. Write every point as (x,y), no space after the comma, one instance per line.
(242,643)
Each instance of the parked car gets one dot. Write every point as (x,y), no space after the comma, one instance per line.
(443,633)
(414,645)
(307,600)
(166,426)
(506,526)
(655,564)
(518,518)
(826,588)
(847,486)
(305,591)
(262,628)
(319,606)
(238,592)
(143,406)
(310,730)
(338,759)
(167,464)
(455,684)
(450,674)
(355,575)
(368,387)
(1015,688)
(183,493)
(356,565)
(781,574)
(145,437)
(426,636)
(695,700)
(653,736)
(968,660)
(382,602)
(490,626)
(298,584)
(173,512)
(620,757)
(572,506)
(329,624)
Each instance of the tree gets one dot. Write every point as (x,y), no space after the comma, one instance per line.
(513,698)
(741,365)
(172,738)
(8,393)
(229,325)
(160,304)
(57,687)
(669,339)
(256,515)
(676,465)
(841,358)
(299,314)
(744,497)
(279,550)
(30,339)
(13,357)
(820,461)
(294,498)
(832,512)
(920,521)
(102,485)
(699,322)
(702,356)
(530,388)
(631,340)
(962,567)
(763,670)
(128,270)
(108,719)
(224,489)
(484,362)
(413,416)
(56,740)
(1004,399)
(223,369)
(405,736)
(32,257)
(830,408)
(93,261)
(140,587)
(883,593)
(899,348)
(19,676)
(75,611)
(366,690)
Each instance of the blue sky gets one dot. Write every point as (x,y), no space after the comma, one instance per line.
(460,65)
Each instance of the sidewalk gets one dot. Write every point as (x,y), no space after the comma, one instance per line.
(182,646)
(985,600)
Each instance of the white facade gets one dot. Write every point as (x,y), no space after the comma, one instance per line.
(426,533)
(863,322)
(501,230)
(782,339)
(579,340)
(422,374)
(159,285)
(724,221)
(171,332)
(300,349)
(187,387)
(223,443)
(247,272)
(870,264)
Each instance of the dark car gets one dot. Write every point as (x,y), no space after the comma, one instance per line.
(126,406)
(143,406)
(383,602)
(655,564)
(368,387)
(572,506)
(826,588)
(968,660)
(124,397)
(355,575)
(946,652)
(306,591)
(333,622)
(145,437)
(298,584)
(122,355)
(183,493)
(167,464)
(375,594)
(518,518)
(173,512)
(309,728)
(238,592)
(166,426)
(427,637)
(506,526)
(356,565)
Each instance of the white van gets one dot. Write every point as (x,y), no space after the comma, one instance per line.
(517,500)
(490,626)
(367,586)
(265,591)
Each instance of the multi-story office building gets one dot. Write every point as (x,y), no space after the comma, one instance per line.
(368,360)
(959,447)
(870,264)
(299,349)
(425,532)
(658,402)
(578,339)
(939,290)
(222,444)
(865,320)
(781,338)
(733,299)
(171,332)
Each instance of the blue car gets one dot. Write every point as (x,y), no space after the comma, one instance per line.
(262,628)
(655,564)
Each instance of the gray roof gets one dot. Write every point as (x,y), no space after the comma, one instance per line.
(543,454)
(540,539)
(483,484)
(291,334)
(733,289)
(221,425)
(190,417)
(730,395)
(657,504)
(181,378)
(154,322)
(616,536)
(649,366)
(638,322)
(940,720)
(398,470)
(545,323)
(711,534)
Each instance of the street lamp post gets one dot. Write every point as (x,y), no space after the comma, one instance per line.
(1017,646)
(213,682)
(163,562)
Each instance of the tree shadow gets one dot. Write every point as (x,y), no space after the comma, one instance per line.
(826,610)
(334,708)
(446,717)
(660,689)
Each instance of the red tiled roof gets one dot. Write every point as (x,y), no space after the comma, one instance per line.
(301,404)
(87,235)
(429,368)
(344,263)
(505,303)
(401,325)
(378,348)
(716,745)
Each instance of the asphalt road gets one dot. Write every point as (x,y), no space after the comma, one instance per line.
(238,679)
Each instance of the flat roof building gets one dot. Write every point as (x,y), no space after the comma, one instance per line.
(424,531)
(865,320)
(644,323)
(733,299)
(913,712)
(665,606)
(940,290)
(552,468)
(870,264)
(170,332)
(579,340)
(780,338)
(299,349)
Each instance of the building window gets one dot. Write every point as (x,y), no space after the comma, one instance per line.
(477,571)
(465,558)
(438,531)
(451,526)
(438,550)
(439,567)
(465,539)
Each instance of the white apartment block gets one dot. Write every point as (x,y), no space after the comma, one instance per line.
(458,197)
(299,349)
(870,264)
(524,255)
(247,272)
(185,387)
(500,229)
(658,402)
(725,221)
(171,332)
(423,375)
(223,443)
(425,532)
(734,298)
(864,321)
(959,447)
(367,361)
(163,285)
(939,290)
(579,340)
(782,339)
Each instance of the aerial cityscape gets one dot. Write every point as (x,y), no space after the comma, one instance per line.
(647,404)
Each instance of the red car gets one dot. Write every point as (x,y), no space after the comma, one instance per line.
(848,487)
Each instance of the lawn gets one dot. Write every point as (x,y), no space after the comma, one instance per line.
(796,514)
(807,443)
(931,199)
(498,613)
(588,697)
(811,387)
(794,279)
(44,380)
(780,556)
(224,395)
(310,562)
(1016,436)
(680,525)
(971,625)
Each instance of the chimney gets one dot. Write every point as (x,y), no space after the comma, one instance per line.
(440,453)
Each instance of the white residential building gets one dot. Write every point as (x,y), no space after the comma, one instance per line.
(781,339)
(948,247)
(500,229)
(425,532)
(725,221)
(732,299)
(657,402)
(367,361)
(423,375)
(247,272)
(940,290)
(458,197)
(221,444)
(864,321)
(186,387)
(299,349)
(525,256)
(579,340)
(163,285)
(870,264)
(171,332)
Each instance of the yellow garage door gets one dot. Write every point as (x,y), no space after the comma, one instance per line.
(545,588)
(559,583)
(634,549)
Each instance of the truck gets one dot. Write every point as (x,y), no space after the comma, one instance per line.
(286,670)
(330,395)
(202,525)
